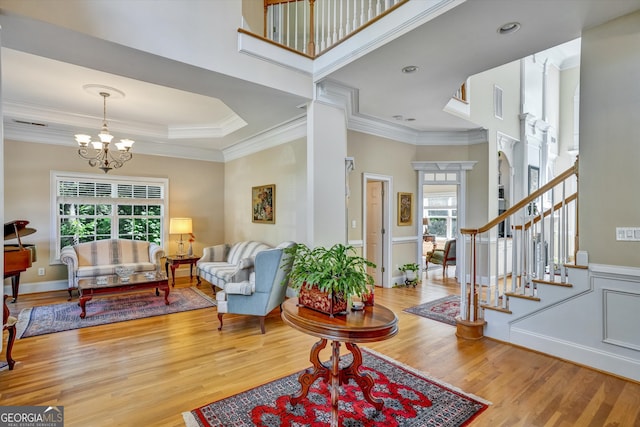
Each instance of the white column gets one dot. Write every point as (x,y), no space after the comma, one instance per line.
(326,151)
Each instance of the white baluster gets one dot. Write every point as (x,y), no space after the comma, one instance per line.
(362,9)
(334,39)
(370,10)
(341,32)
(324,7)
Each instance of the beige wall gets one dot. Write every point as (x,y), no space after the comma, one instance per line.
(284,166)
(609,140)
(195,190)
(376,155)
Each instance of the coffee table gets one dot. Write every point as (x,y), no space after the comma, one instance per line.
(112,284)
(372,324)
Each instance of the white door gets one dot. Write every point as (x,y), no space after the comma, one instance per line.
(375,246)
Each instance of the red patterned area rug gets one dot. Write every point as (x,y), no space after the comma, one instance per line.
(443,310)
(410,398)
(101,310)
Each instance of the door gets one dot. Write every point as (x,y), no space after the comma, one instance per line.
(375,227)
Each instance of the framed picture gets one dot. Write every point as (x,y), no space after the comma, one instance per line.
(405,208)
(534,178)
(263,204)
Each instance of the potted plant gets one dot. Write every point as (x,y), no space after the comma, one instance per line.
(411,272)
(326,277)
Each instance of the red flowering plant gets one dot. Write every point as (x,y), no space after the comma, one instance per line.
(192,238)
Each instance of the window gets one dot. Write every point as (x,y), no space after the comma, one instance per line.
(441,210)
(90,207)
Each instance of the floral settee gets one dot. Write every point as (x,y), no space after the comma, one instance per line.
(101,257)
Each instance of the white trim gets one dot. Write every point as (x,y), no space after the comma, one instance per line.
(55,175)
(460,168)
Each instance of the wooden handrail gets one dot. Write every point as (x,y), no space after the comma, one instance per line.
(524,202)
(546,213)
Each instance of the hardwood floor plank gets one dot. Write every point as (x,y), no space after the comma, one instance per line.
(147,372)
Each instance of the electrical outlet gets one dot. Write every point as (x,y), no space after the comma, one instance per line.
(41,271)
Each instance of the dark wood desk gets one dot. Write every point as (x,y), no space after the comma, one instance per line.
(372,324)
(174,261)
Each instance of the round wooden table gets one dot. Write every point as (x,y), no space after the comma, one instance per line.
(372,324)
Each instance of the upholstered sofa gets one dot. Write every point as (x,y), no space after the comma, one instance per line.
(222,264)
(100,258)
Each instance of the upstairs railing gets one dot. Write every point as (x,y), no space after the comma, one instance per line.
(313,26)
(531,242)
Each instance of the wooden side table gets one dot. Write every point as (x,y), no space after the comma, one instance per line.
(372,324)
(174,261)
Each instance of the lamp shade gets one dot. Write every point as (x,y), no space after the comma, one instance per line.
(180,226)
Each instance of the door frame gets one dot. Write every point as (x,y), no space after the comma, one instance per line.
(387,186)
(448,173)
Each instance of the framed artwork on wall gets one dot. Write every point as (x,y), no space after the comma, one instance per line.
(405,208)
(263,203)
(534,178)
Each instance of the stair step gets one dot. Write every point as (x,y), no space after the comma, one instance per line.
(500,309)
(529,297)
(547,282)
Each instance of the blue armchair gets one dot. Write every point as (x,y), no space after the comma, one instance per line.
(264,290)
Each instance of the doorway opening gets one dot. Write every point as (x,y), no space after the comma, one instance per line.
(377,225)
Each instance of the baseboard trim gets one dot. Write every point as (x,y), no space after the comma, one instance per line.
(582,355)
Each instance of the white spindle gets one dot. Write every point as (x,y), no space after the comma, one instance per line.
(341,29)
(552,239)
(370,14)
(334,39)
(378,7)
(354,25)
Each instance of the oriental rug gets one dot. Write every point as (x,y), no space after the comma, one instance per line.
(443,310)
(101,310)
(411,399)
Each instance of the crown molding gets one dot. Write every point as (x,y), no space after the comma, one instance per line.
(281,134)
(345,97)
(63,137)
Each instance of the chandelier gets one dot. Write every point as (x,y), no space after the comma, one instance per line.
(99,154)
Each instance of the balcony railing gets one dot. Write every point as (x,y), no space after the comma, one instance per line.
(313,26)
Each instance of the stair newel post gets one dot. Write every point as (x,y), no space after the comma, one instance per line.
(469,325)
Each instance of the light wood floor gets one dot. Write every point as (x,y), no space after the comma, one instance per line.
(147,372)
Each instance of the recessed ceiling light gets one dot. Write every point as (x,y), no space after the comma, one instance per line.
(410,119)
(397,117)
(509,28)
(409,69)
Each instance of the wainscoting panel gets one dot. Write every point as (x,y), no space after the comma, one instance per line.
(619,308)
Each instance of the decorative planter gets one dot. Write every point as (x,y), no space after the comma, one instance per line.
(315,299)
(411,275)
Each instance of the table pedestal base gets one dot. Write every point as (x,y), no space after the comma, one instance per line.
(334,376)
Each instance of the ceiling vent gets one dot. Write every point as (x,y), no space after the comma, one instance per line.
(24,122)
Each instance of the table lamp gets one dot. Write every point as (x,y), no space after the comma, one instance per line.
(180,226)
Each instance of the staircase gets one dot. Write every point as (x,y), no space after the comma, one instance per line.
(522,263)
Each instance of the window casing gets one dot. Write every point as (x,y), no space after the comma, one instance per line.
(441,210)
(95,207)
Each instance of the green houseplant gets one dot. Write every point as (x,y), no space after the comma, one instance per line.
(326,277)
(411,272)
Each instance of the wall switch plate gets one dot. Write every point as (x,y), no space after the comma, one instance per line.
(41,271)
(628,234)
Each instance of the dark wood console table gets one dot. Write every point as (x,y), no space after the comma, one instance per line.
(372,324)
